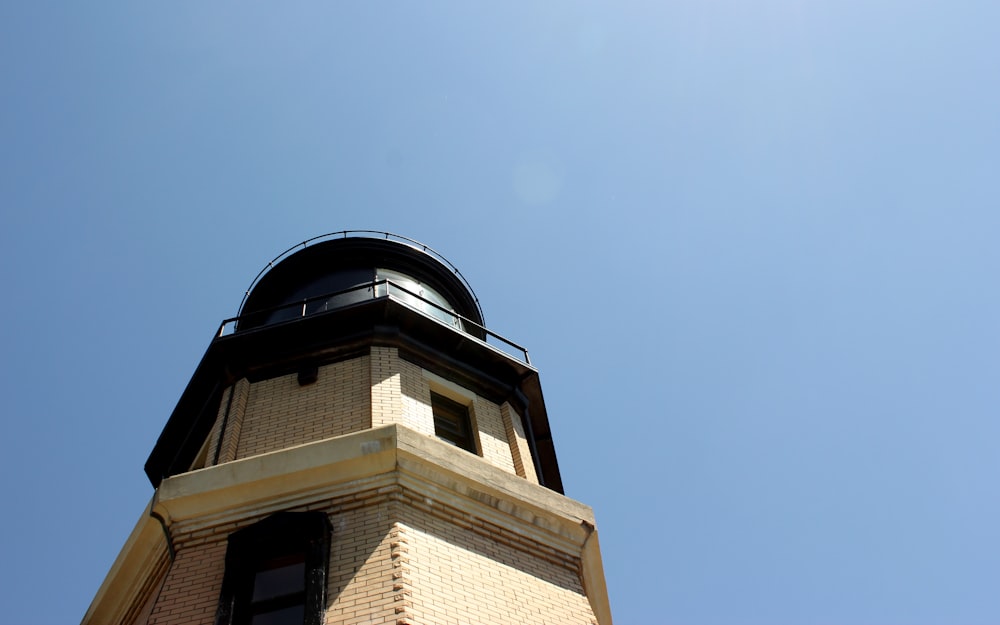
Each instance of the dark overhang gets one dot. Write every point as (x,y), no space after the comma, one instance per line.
(285,347)
(288,321)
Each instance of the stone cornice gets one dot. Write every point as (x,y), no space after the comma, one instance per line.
(137,563)
(301,475)
(434,476)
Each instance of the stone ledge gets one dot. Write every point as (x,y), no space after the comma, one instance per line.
(390,455)
(335,466)
(143,553)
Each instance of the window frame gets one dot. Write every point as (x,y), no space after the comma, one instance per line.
(446,411)
(280,536)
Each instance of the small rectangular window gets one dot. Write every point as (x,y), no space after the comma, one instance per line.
(279,587)
(452,423)
(276,571)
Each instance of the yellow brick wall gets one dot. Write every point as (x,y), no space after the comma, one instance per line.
(213,437)
(386,391)
(401,393)
(234,423)
(492,434)
(519,450)
(464,579)
(459,569)
(416,391)
(353,395)
(397,558)
(280,413)
(232,409)
(190,594)
(364,582)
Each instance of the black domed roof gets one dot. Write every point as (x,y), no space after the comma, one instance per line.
(351,267)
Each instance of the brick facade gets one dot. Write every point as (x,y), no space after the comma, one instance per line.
(403,453)
(416,398)
(190,594)
(398,556)
(397,559)
(350,396)
(520,451)
(493,443)
(280,413)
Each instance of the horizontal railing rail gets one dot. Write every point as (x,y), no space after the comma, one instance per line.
(259,318)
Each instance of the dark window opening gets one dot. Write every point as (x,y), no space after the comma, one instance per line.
(279,591)
(452,423)
(276,572)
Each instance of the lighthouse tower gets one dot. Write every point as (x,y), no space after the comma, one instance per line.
(356,447)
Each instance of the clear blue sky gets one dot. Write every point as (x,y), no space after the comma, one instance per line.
(751,246)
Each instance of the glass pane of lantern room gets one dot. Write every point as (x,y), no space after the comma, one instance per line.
(417,295)
(344,287)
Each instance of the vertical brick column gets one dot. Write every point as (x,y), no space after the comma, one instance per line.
(402,589)
(190,595)
(234,424)
(519,450)
(387,393)
(492,434)
(225,435)
(417,413)
(366,562)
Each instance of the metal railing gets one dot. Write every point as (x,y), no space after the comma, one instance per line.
(372,291)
